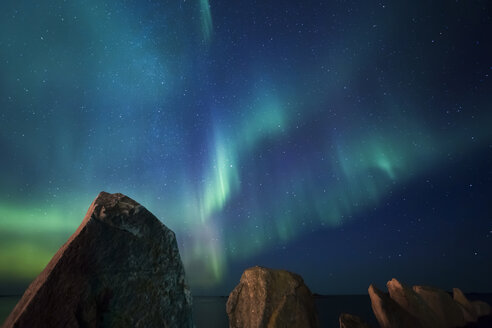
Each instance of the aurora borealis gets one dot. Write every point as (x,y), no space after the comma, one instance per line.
(348,141)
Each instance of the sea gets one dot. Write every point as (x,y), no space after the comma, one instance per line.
(209,311)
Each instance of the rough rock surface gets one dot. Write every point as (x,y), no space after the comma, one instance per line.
(446,309)
(411,302)
(351,321)
(271,298)
(389,313)
(422,307)
(466,306)
(121,268)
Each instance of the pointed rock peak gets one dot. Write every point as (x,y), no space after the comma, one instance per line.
(114,204)
(445,308)
(121,268)
(122,212)
(375,291)
(422,307)
(411,302)
(395,284)
(389,313)
(466,306)
(459,297)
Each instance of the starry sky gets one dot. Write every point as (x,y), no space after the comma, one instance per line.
(347,141)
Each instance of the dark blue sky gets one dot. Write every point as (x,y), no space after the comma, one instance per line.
(348,141)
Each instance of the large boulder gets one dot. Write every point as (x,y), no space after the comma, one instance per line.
(446,309)
(271,298)
(467,307)
(121,268)
(413,304)
(351,321)
(389,313)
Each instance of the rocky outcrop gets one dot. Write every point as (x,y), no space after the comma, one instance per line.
(440,302)
(423,307)
(466,306)
(271,298)
(351,321)
(411,302)
(121,268)
(388,313)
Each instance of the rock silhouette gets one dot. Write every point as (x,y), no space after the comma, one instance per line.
(448,312)
(421,307)
(411,302)
(388,313)
(271,298)
(468,309)
(121,268)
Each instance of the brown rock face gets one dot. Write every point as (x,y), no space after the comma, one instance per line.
(446,309)
(271,298)
(121,268)
(422,307)
(351,321)
(389,313)
(468,310)
(413,304)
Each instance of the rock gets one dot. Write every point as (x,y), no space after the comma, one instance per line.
(482,309)
(271,298)
(121,268)
(468,310)
(411,302)
(351,321)
(446,309)
(389,313)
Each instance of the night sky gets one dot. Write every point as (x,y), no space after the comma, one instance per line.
(347,141)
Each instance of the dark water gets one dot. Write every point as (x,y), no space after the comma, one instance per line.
(210,311)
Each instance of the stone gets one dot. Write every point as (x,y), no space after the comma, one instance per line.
(466,306)
(446,309)
(411,302)
(271,298)
(351,321)
(482,309)
(121,268)
(389,313)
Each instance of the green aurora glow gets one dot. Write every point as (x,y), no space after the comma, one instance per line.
(238,150)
